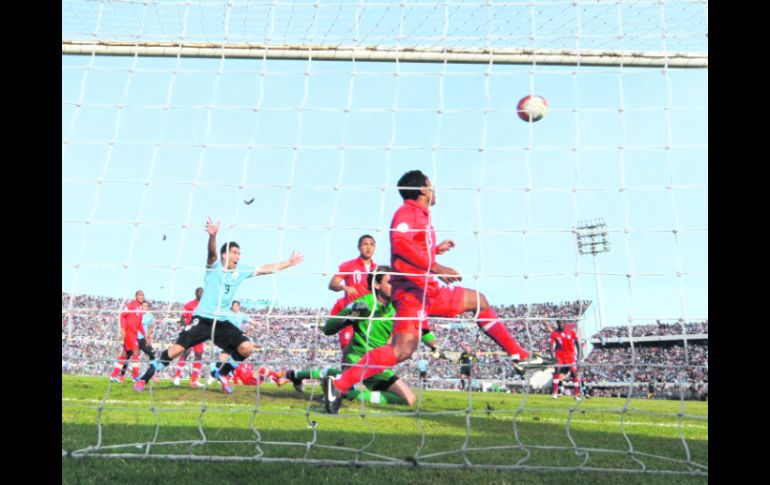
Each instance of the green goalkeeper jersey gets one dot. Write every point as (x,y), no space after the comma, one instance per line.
(370,333)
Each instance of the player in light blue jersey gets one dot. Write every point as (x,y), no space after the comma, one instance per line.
(211,317)
(422,367)
(145,345)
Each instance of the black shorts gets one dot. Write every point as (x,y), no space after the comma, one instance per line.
(147,349)
(465,370)
(565,369)
(226,335)
(423,374)
(385,385)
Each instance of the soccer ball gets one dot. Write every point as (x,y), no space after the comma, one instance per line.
(532,108)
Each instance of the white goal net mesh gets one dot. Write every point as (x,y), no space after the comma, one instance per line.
(291,122)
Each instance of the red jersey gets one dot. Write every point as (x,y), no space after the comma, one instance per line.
(565,342)
(412,244)
(356,277)
(131,318)
(245,374)
(189,308)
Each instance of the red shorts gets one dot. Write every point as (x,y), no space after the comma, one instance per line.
(346,335)
(198,348)
(440,301)
(130,342)
(447,302)
(565,359)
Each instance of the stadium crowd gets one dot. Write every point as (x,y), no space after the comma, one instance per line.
(289,338)
(659,329)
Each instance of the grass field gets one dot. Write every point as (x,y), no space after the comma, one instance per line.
(273,424)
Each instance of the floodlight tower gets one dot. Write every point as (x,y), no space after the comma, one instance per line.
(592,238)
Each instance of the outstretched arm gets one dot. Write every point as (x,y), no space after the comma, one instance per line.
(293,260)
(212,229)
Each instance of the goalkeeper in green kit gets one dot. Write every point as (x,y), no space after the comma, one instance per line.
(372,329)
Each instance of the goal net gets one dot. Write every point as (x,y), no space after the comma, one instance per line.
(292,121)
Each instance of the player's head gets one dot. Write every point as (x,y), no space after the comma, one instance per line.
(379,281)
(366,246)
(139,295)
(145,305)
(235,306)
(230,253)
(468,348)
(415,185)
(198,293)
(560,324)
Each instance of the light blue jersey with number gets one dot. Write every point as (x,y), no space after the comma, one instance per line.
(147,320)
(422,365)
(219,288)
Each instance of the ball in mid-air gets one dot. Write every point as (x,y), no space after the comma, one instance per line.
(532,108)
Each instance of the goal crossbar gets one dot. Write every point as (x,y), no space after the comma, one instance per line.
(383,54)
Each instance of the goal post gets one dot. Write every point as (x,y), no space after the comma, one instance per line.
(176,110)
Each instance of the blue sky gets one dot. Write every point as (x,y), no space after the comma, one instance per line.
(151,147)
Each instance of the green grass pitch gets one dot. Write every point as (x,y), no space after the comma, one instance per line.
(275,425)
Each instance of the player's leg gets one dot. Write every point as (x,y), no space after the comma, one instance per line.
(126,363)
(147,348)
(180,366)
(402,347)
(119,370)
(575,380)
(213,367)
(556,381)
(197,365)
(135,363)
(198,332)
(489,322)
(384,388)
(234,342)
(296,376)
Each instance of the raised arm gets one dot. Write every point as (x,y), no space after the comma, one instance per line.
(295,259)
(212,229)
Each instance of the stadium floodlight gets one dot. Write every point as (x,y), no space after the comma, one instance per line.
(592,239)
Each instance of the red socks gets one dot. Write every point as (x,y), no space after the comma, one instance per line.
(495,329)
(377,360)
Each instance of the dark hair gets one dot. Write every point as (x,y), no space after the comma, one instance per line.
(234,302)
(361,239)
(137,292)
(413,180)
(225,247)
(377,274)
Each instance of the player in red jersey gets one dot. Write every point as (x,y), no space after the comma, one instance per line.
(564,348)
(197,350)
(417,294)
(246,375)
(130,327)
(351,278)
